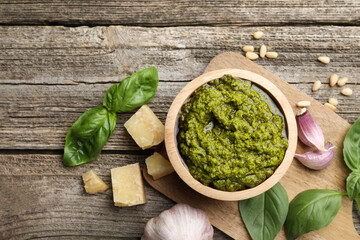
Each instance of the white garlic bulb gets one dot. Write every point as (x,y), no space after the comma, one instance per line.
(181,222)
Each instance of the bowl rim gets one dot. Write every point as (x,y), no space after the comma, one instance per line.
(174,154)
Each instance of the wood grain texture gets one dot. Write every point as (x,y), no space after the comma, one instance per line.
(60,55)
(297,179)
(50,75)
(42,199)
(179,12)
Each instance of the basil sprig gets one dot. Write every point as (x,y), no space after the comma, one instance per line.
(264,215)
(88,135)
(311,210)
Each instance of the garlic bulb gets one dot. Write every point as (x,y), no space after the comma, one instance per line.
(317,159)
(181,222)
(309,131)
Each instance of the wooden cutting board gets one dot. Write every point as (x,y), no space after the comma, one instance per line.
(225,215)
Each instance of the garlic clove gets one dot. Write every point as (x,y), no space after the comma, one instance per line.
(178,223)
(309,131)
(317,159)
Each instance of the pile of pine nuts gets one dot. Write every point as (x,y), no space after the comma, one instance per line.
(249,50)
(334,80)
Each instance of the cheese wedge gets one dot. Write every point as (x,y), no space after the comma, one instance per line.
(93,184)
(158,166)
(127,184)
(145,128)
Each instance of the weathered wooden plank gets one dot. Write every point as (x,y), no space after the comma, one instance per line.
(43,114)
(38,116)
(59,55)
(50,75)
(180,12)
(40,198)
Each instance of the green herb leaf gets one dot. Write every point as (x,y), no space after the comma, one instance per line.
(353,185)
(311,210)
(89,122)
(351,150)
(264,215)
(133,91)
(88,135)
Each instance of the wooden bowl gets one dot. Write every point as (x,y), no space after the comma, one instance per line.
(174,154)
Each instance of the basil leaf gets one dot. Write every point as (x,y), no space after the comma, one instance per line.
(264,215)
(351,150)
(111,98)
(311,210)
(353,185)
(88,135)
(89,122)
(133,91)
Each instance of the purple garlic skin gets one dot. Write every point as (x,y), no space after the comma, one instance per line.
(309,131)
(179,223)
(317,159)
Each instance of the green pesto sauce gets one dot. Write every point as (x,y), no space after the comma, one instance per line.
(229,137)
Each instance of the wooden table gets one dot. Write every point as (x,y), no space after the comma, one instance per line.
(57,59)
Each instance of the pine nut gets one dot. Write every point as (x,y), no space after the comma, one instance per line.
(316,86)
(324,59)
(252,56)
(262,51)
(342,81)
(333,101)
(332,107)
(301,112)
(333,79)
(347,92)
(303,104)
(248,48)
(258,34)
(271,54)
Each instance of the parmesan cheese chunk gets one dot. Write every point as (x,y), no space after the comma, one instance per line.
(145,128)
(93,184)
(127,184)
(158,166)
